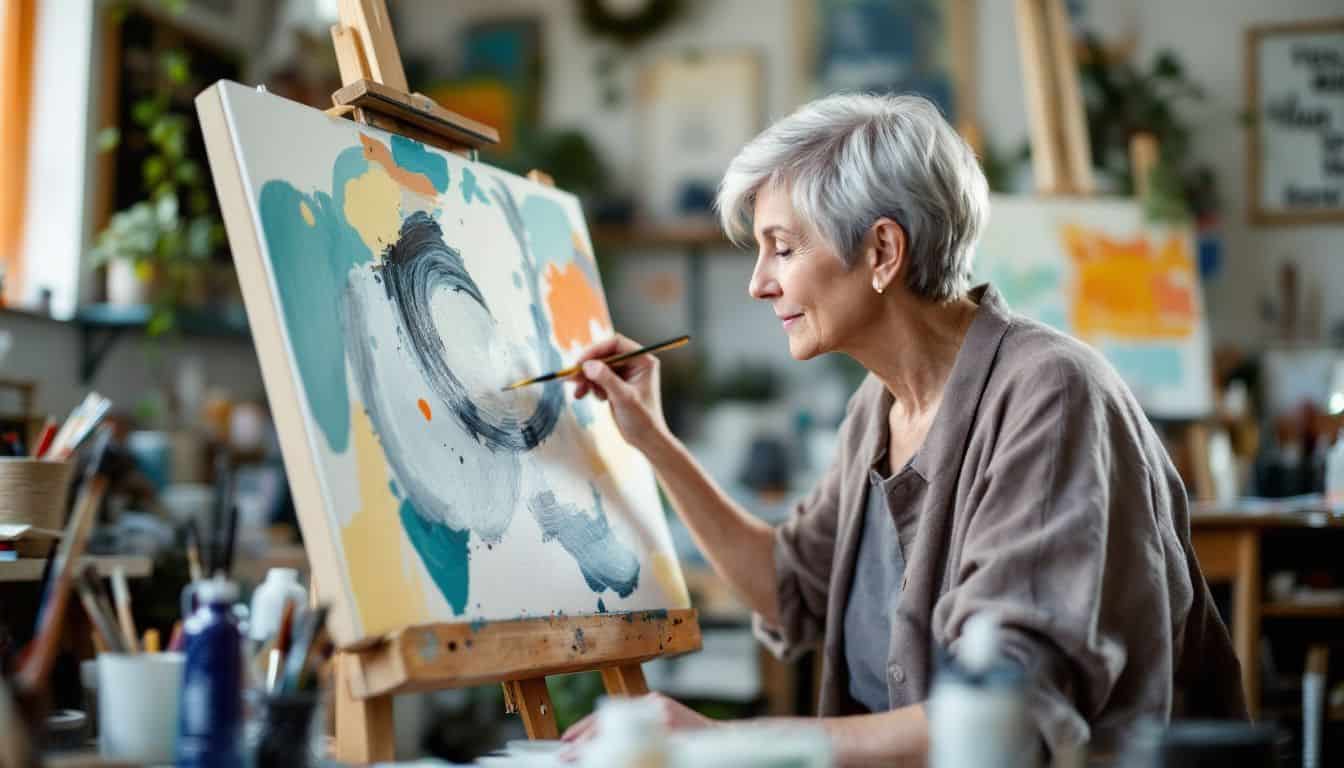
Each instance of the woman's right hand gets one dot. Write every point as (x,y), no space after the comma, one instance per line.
(632,389)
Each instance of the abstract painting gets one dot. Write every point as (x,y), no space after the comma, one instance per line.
(1096,269)
(393,289)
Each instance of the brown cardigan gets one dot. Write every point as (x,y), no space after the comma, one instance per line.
(1041,492)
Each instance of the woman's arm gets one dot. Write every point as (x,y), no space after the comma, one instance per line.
(739,546)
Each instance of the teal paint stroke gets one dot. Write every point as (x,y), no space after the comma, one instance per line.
(471,191)
(443,550)
(310,265)
(1146,367)
(416,158)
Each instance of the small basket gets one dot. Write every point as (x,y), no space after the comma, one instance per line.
(34,492)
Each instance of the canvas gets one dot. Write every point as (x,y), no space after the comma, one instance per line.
(1094,268)
(392,290)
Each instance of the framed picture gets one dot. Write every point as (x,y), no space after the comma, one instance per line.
(1295,94)
(881,46)
(695,111)
(499,79)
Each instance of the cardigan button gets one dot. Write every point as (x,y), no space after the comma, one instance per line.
(897,673)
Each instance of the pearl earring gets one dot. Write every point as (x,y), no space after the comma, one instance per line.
(877,287)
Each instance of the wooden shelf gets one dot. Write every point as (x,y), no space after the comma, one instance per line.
(1303,610)
(30,568)
(707,235)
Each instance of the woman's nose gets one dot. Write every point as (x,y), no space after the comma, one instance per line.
(762,284)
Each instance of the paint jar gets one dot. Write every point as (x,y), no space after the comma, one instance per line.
(630,734)
(977,708)
(285,736)
(138,698)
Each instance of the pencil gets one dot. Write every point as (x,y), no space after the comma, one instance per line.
(151,641)
(45,437)
(194,552)
(565,373)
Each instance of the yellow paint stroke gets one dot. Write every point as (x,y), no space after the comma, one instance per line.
(388,594)
(372,206)
(575,305)
(307,214)
(667,572)
(1131,288)
(377,152)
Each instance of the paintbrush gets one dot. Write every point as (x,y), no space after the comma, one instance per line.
(41,652)
(194,552)
(282,639)
(565,373)
(121,596)
(99,613)
(306,640)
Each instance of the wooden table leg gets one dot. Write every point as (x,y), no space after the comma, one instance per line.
(532,701)
(1246,615)
(364,729)
(625,680)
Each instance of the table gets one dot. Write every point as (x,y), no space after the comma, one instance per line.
(1227,542)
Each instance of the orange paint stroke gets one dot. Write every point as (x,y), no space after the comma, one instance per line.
(377,152)
(424,408)
(574,305)
(1132,288)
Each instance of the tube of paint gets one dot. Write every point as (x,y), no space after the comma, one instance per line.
(210,721)
(977,709)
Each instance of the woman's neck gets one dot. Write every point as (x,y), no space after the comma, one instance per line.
(912,347)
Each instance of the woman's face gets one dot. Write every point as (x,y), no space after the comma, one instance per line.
(821,304)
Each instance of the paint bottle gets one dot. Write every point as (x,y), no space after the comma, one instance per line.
(210,720)
(1334,471)
(977,708)
(268,602)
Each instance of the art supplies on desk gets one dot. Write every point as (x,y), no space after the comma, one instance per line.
(78,426)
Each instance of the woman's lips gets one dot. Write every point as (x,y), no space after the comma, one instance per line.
(789,320)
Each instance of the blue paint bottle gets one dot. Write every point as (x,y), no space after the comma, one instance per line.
(210,720)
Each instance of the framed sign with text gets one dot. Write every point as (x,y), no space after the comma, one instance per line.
(1295,94)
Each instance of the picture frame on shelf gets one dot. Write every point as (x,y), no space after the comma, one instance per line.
(695,110)
(1294,146)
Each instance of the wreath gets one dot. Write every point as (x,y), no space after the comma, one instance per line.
(629,27)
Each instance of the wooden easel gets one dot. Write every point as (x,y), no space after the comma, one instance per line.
(521,653)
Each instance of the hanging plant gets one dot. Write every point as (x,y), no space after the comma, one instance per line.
(629,22)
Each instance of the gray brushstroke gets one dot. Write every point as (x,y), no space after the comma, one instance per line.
(604,561)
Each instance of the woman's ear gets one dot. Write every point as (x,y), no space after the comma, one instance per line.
(888,253)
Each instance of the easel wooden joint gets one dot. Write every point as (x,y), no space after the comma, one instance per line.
(519,654)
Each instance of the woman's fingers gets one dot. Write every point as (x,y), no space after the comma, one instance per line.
(580,730)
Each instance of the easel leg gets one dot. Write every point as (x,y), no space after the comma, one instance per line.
(625,680)
(530,699)
(364,731)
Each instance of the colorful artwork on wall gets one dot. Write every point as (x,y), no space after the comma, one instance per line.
(393,289)
(1097,270)
(885,46)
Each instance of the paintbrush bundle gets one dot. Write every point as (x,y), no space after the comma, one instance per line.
(77,427)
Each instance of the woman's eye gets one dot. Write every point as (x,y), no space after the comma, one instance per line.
(784,253)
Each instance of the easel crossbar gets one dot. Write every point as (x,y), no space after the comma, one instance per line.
(437,656)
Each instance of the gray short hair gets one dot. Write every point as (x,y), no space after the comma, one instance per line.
(850,159)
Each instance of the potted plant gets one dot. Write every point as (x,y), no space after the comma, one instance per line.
(158,249)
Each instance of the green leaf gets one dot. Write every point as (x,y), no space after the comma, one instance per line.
(188,172)
(107,139)
(145,111)
(152,169)
(176,66)
(160,322)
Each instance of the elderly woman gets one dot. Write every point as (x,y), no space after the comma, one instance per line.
(988,463)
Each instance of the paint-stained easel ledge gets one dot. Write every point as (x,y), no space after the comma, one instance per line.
(457,655)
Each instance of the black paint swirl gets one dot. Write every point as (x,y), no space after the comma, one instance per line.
(417,266)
